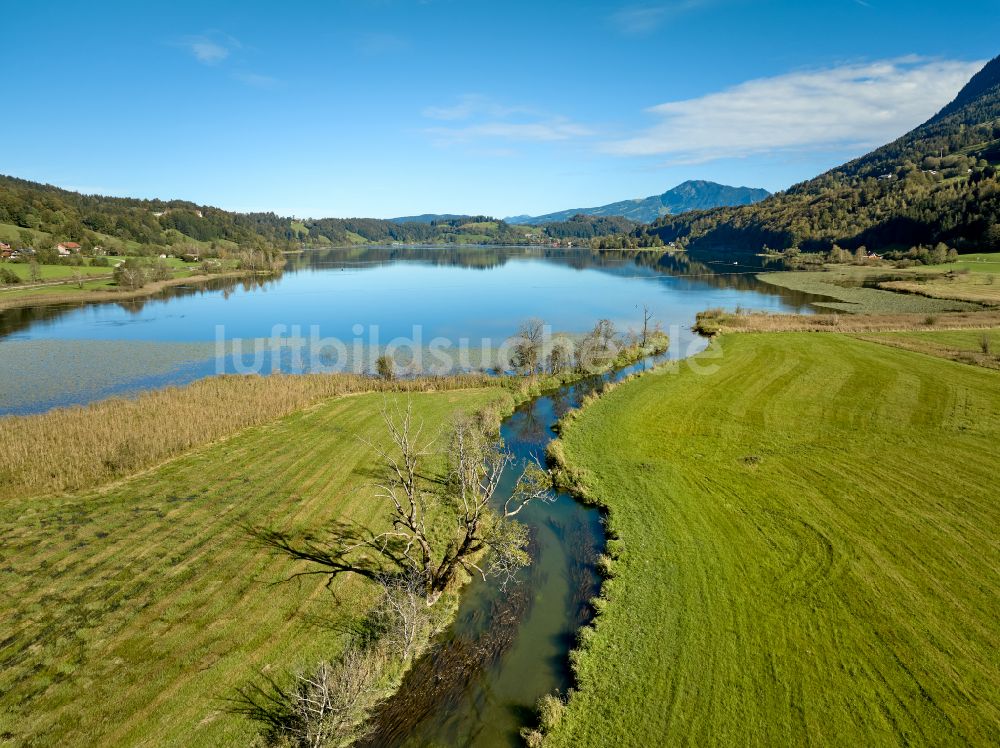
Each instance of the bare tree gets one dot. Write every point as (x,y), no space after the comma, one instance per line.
(483,539)
(647,317)
(402,613)
(130,274)
(323,707)
(477,459)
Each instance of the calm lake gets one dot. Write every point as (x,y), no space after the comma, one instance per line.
(362,298)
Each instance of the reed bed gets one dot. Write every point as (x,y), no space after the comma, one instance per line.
(714,321)
(69,449)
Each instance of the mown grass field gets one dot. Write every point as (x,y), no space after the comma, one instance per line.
(128,615)
(54,272)
(101,289)
(113,438)
(983,262)
(808,551)
(65,272)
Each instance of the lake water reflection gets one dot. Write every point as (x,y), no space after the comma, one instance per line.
(77,353)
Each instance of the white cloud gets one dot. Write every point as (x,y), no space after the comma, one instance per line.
(210,49)
(474,105)
(855,106)
(484,119)
(644,19)
(552,130)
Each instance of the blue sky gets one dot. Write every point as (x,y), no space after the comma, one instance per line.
(395,107)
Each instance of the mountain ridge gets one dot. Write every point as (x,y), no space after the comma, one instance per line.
(936,183)
(694,194)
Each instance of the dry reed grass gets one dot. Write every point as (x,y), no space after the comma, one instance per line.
(714,321)
(74,448)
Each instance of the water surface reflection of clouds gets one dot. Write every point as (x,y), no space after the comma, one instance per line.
(475,294)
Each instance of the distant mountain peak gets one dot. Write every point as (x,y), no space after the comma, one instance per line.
(694,194)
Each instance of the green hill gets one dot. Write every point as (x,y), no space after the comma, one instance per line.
(937,183)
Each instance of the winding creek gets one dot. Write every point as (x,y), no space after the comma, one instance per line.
(479,682)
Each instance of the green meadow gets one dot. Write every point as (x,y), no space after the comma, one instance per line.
(131,614)
(67,272)
(805,550)
(982,262)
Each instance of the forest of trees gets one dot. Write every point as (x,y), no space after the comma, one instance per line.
(589,227)
(94,220)
(110,222)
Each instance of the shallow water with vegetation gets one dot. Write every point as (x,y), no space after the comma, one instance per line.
(367,297)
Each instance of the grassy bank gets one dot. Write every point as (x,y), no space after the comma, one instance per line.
(804,551)
(104,289)
(130,614)
(67,272)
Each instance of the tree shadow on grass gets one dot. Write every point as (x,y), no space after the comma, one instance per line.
(341,550)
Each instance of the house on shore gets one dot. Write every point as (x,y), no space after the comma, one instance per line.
(65,249)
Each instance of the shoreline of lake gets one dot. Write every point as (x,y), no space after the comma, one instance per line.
(104,297)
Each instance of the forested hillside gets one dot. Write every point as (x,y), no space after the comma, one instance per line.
(937,183)
(37,214)
(91,219)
